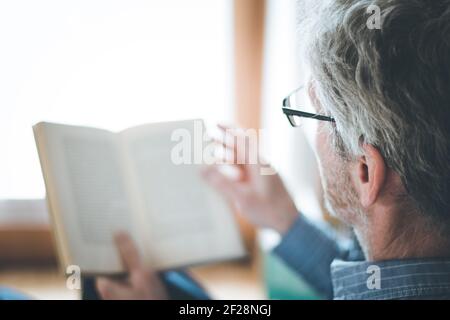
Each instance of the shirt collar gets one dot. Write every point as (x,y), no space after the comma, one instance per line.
(395,279)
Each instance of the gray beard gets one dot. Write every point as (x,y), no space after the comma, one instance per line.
(341,198)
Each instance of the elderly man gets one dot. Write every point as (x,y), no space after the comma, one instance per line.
(381,100)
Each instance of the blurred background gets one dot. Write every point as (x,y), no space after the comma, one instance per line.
(116,63)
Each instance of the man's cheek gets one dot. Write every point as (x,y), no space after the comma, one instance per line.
(322,149)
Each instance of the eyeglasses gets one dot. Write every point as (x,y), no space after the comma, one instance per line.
(300,100)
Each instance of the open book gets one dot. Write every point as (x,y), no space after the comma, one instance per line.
(99,182)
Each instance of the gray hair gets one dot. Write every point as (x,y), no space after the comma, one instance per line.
(389,87)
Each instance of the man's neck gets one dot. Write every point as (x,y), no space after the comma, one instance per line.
(384,238)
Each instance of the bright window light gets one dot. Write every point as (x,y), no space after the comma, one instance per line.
(109,64)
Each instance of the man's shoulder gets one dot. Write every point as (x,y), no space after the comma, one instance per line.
(403,279)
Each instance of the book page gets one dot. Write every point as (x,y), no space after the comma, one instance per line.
(186,221)
(88,193)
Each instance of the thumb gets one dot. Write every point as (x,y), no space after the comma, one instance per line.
(110,289)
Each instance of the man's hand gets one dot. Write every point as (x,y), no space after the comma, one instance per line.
(261,199)
(140,283)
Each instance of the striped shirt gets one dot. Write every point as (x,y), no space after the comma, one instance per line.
(343,274)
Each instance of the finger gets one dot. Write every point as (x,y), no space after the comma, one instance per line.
(128,251)
(235,140)
(244,145)
(224,153)
(228,142)
(227,145)
(229,187)
(225,127)
(112,290)
(230,172)
(145,280)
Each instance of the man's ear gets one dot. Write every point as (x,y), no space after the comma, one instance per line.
(371,175)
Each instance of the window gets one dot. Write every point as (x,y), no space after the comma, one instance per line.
(287,148)
(106,63)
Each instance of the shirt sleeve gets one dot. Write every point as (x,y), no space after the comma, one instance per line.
(309,251)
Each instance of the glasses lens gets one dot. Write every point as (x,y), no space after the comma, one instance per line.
(295,120)
(301,101)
